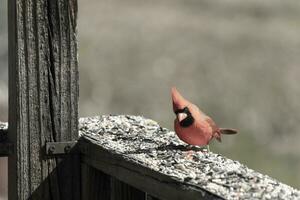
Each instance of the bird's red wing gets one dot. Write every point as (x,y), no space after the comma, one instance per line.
(215,129)
(212,124)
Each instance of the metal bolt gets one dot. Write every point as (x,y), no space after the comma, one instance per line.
(67,148)
(51,149)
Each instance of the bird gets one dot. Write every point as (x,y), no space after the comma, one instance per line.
(192,125)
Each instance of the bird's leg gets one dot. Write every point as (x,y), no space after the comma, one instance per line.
(190,152)
(207,148)
(189,147)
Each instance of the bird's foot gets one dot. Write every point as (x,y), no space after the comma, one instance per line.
(189,154)
(189,147)
(194,148)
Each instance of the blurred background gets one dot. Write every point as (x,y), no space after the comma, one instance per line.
(238,60)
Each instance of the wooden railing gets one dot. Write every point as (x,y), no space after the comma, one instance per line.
(130,157)
(5,147)
(139,153)
(109,157)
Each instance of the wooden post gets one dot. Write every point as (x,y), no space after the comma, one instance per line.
(43,98)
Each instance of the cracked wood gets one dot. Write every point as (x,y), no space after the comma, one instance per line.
(43,97)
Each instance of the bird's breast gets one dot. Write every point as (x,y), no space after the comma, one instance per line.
(196,134)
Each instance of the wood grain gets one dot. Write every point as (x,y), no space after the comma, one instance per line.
(141,153)
(138,176)
(123,191)
(97,185)
(43,97)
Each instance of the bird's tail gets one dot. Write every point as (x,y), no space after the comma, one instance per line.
(218,136)
(228,131)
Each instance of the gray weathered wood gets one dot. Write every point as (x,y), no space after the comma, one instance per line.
(139,152)
(6,149)
(43,97)
(97,185)
(123,191)
(4,145)
(141,177)
(3,131)
(149,197)
(114,158)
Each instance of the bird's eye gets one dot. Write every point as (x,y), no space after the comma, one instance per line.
(186,110)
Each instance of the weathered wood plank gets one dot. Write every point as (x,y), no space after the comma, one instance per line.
(3,131)
(97,185)
(140,153)
(141,177)
(122,166)
(149,197)
(43,98)
(5,147)
(123,191)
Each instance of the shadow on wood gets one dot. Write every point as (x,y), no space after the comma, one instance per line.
(61,184)
(97,185)
(142,154)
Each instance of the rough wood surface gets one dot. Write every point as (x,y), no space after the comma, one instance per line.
(151,158)
(3,131)
(149,197)
(4,145)
(43,97)
(97,185)
(123,191)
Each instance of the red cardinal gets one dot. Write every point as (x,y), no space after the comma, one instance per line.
(192,125)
